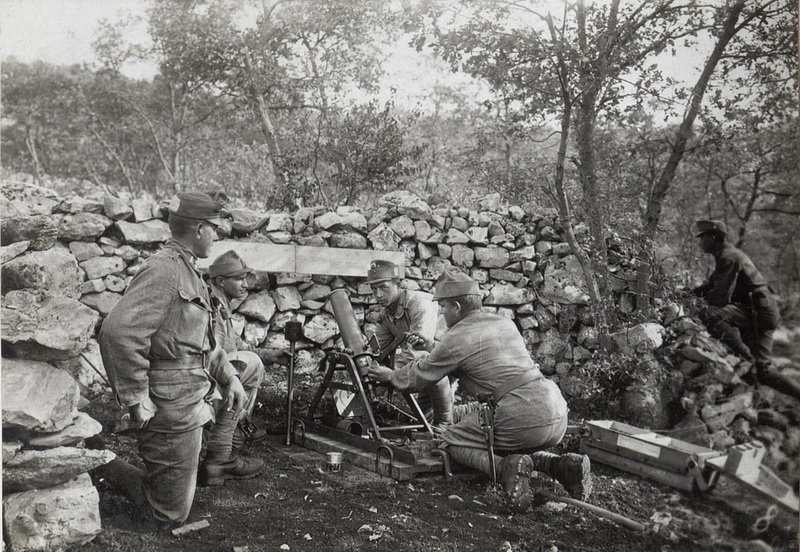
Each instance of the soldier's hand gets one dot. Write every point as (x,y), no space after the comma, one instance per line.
(142,413)
(419,342)
(235,397)
(379,373)
(275,356)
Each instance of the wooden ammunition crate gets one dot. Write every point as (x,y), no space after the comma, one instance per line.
(670,461)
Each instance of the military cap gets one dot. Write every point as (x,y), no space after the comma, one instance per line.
(382,271)
(455,285)
(715,226)
(197,206)
(229,264)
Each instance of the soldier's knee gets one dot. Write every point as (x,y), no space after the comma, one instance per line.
(251,369)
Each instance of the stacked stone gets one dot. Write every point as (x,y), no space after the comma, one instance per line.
(85,250)
(49,501)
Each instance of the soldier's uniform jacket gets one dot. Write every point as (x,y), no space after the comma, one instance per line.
(226,336)
(156,342)
(485,351)
(414,312)
(735,280)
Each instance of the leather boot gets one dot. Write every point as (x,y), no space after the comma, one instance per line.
(247,432)
(513,472)
(220,462)
(573,471)
(236,467)
(125,479)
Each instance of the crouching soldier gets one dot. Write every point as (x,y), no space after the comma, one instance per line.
(227,278)
(487,354)
(405,312)
(739,308)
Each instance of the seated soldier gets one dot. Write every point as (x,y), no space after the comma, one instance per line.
(227,277)
(488,355)
(405,312)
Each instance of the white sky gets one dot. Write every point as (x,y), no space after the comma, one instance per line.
(62,31)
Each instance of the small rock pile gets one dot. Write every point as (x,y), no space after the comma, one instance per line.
(67,260)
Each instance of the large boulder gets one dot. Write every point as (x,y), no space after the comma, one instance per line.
(564,282)
(492,257)
(641,338)
(83,226)
(260,306)
(82,427)
(321,328)
(286,298)
(87,369)
(406,203)
(41,231)
(102,301)
(551,349)
(116,208)
(346,220)
(652,400)
(37,396)
(45,327)
(506,294)
(383,238)
(54,270)
(348,239)
(8,252)
(141,233)
(53,518)
(280,222)
(39,469)
(99,267)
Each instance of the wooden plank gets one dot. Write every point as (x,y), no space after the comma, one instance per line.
(302,259)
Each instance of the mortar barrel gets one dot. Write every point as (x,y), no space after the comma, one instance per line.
(346,319)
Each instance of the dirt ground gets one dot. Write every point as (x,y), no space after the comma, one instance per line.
(296,505)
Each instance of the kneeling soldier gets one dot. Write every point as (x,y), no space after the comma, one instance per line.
(405,312)
(488,355)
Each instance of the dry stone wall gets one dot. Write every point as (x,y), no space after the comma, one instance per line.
(67,260)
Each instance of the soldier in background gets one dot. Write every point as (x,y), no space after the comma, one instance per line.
(405,312)
(487,354)
(740,310)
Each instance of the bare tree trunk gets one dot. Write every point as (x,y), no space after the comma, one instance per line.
(659,192)
(564,211)
(30,144)
(261,112)
(117,159)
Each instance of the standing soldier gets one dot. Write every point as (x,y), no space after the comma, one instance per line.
(405,312)
(227,277)
(159,350)
(740,311)
(488,355)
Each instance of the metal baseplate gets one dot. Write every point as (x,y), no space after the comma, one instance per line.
(401,459)
(680,464)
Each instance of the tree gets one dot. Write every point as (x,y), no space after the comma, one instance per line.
(570,67)
(756,19)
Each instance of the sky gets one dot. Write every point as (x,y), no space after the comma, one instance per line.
(62,31)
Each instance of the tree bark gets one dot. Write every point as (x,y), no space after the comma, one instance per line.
(659,192)
(261,112)
(30,144)
(562,202)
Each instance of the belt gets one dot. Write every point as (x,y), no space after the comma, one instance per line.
(514,383)
(183,363)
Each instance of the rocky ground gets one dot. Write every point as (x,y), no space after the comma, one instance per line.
(296,505)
